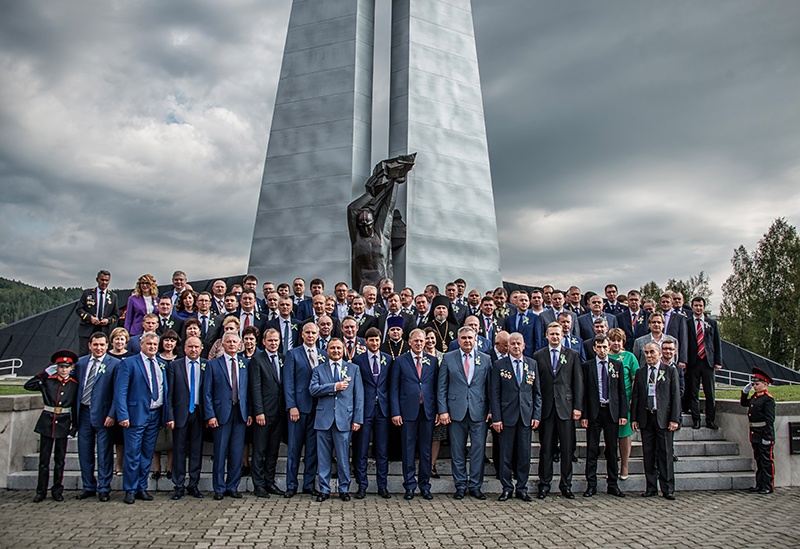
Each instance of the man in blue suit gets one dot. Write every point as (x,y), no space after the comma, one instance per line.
(340,412)
(570,341)
(287,326)
(141,397)
(184,377)
(462,397)
(586,322)
(481,343)
(375,366)
(299,364)
(634,321)
(227,412)
(527,323)
(95,416)
(412,399)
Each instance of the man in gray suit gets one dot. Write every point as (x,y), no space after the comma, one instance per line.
(462,393)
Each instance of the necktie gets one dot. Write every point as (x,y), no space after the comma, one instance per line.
(247,320)
(518,363)
(466,367)
(87,389)
(163,323)
(192,387)
(100,304)
(554,352)
(203,326)
(234,382)
(519,320)
(701,340)
(312,359)
(350,349)
(153,381)
(603,380)
(274,360)
(419,374)
(376,370)
(651,380)
(286,344)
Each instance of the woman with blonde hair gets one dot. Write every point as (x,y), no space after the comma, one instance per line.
(143,300)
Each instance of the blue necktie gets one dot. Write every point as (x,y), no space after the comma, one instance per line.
(154,381)
(191,387)
(604,380)
(555,360)
(519,371)
(519,319)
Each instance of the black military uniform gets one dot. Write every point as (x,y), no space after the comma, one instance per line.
(761,415)
(60,396)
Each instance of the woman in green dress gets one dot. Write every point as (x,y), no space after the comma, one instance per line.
(616,338)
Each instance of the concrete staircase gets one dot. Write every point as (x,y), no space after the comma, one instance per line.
(707,462)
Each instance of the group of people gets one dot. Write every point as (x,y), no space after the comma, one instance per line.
(337,376)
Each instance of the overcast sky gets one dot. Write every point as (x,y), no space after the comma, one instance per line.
(629,140)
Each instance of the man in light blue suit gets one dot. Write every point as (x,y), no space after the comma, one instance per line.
(141,398)
(95,416)
(227,413)
(462,395)
(340,412)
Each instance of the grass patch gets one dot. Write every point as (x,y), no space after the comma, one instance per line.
(782,393)
(14,390)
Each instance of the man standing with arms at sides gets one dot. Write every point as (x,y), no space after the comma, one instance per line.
(412,399)
(705,357)
(184,378)
(375,367)
(561,378)
(95,415)
(516,405)
(98,310)
(227,413)
(656,411)
(298,367)
(463,388)
(605,409)
(634,321)
(526,323)
(269,411)
(218,290)
(340,412)
(142,401)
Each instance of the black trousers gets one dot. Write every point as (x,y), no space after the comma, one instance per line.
(46,445)
(765,466)
(266,444)
(701,372)
(548,428)
(515,455)
(188,441)
(657,453)
(610,429)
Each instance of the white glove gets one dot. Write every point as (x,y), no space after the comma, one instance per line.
(51,370)
(747,388)
(766,442)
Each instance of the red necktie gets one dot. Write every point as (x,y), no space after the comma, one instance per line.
(701,343)
(247,320)
(466,366)
(234,382)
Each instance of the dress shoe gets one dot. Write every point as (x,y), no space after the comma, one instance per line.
(650,494)
(568,494)
(384,493)
(695,424)
(524,496)
(40,497)
(155,475)
(130,497)
(218,496)
(360,494)
(409,495)
(434,472)
(57,496)
(505,495)
(177,494)
(477,494)
(459,494)
(245,470)
(590,492)
(289,493)
(675,458)
(557,459)
(765,491)
(104,497)
(616,492)
(275,490)
(754,489)
(575,459)
(344,496)
(311,491)
(260,492)
(670,496)
(711,425)
(542,494)
(233,494)
(86,495)
(195,493)
(322,497)
(426,494)
(144,496)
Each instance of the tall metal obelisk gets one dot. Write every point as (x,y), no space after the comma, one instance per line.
(319,147)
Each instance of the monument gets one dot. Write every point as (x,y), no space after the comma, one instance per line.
(319,151)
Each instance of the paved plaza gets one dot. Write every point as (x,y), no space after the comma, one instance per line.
(698,519)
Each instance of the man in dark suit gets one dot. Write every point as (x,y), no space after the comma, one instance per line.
(141,396)
(286,325)
(481,343)
(586,322)
(656,411)
(705,357)
(227,413)
(98,310)
(634,321)
(205,316)
(611,305)
(318,311)
(218,291)
(574,301)
(178,285)
(306,309)
(516,405)
(95,416)
(460,311)
(605,409)
(353,345)
(570,341)
(364,321)
(375,367)
(394,306)
(526,323)
(600,327)
(412,399)
(268,407)
(489,324)
(248,314)
(676,325)
(462,396)
(561,378)
(340,412)
(167,320)
(184,378)
(298,366)
(550,315)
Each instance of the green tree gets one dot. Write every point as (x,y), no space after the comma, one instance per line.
(651,290)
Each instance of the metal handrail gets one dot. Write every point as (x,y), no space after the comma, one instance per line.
(731,377)
(10,364)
